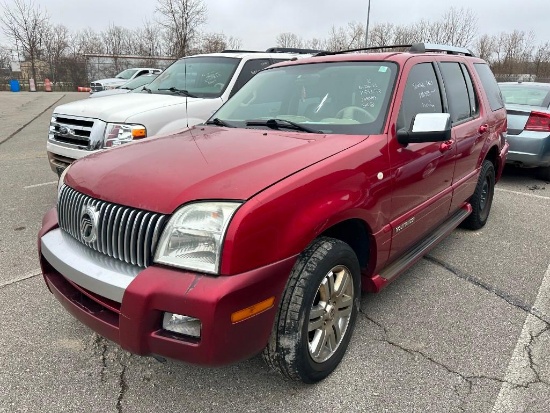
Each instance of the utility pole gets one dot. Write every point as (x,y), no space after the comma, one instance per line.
(367,28)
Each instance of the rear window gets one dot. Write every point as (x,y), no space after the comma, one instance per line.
(490,85)
(522,94)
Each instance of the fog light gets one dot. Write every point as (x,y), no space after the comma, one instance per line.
(182,324)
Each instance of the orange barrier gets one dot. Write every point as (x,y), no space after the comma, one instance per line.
(47,85)
(84,89)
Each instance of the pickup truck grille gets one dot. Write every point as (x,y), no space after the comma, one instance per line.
(124,233)
(96,87)
(71,130)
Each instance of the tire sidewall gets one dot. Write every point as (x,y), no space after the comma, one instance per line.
(341,254)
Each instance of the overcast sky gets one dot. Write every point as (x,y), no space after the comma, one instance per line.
(258,22)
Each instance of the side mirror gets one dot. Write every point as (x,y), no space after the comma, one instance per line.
(426,127)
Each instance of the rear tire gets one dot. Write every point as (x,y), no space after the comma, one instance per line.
(482,199)
(317,313)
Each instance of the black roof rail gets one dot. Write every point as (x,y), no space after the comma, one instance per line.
(412,48)
(430,47)
(361,49)
(240,51)
(292,50)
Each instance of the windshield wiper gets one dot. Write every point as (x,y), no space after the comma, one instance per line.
(281,123)
(179,91)
(219,122)
(146,89)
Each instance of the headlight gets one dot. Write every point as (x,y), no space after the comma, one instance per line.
(118,133)
(194,236)
(109,87)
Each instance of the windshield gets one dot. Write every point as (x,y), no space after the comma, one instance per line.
(526,95)
(138,81)
(203,77)
(337,97)
(126,74)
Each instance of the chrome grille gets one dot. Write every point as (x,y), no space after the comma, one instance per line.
(124,233)
(71,130)
(96,86)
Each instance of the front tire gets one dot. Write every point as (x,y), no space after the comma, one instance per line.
(317,313)
(482,199)
(543,173)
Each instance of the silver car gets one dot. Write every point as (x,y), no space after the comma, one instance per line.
(528,107)
(130,85)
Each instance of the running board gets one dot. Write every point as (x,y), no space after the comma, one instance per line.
(414,254)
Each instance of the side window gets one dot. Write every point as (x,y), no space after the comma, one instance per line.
(490,85)
(142,72)
(250,68)
(456,91)
(471,91)
(422,95)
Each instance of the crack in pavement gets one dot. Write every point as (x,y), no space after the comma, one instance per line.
(100,344)
(123,387)
(509,298)
(528,348)
(468,380)
(31,121)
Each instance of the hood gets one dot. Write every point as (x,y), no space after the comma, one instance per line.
(119,108)
(160,174)
(111,92)
(110,80)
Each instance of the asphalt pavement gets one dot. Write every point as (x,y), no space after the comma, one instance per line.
(467,329)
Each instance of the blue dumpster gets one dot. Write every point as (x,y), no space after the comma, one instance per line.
(15,86)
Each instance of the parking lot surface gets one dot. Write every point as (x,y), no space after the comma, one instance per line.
(467,329)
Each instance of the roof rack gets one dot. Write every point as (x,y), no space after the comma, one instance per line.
(412,48)
(430,47)
(240,51)
(393,46)
(292,50)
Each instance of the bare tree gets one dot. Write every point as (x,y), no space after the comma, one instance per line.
(212,43)
(289,39)
(5,57)
(234,43)
(458,27)
(25,25)
(181,20)
(485,47)
(117,41)
(541,61)
(56,43)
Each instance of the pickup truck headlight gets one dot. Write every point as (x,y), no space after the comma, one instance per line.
(117,134)
(193,237)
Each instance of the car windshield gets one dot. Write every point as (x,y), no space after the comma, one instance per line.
(525,94)
(201,76)
(126,74)
(337,97)
(138,81)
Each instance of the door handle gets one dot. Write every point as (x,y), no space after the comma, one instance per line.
(483,128)
(446,146)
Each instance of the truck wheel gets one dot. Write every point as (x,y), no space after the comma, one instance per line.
(317,313)
(482,198)
(544,173)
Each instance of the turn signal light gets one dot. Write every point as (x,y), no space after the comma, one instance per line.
(538,121)
(252,310)
(139,133)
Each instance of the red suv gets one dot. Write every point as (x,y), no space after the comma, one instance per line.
(257,231)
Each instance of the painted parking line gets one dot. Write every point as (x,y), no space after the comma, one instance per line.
(37,185)
(21,278)
(514,395)
(522,193)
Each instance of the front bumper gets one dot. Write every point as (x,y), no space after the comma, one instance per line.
(126,305)
(529,149)
(60,156)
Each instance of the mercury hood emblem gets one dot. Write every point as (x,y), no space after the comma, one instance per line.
(89,217)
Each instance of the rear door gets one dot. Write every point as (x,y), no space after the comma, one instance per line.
(470,128)
(422,173)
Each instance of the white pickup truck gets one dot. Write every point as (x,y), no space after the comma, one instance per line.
(185,94)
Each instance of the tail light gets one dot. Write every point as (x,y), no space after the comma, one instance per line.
(538,121)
